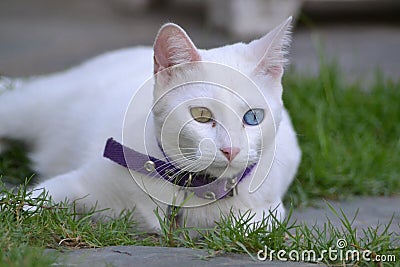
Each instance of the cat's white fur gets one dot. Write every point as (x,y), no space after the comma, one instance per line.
(66,117)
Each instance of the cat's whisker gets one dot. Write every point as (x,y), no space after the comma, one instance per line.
(187,167)
(184,148)
(178,153)
(168,164)
(280,162)
(180,148)
(166,183)
(189,157)
(180,159)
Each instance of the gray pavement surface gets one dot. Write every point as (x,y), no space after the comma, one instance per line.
(43,36)
(366,211)
(156,256)
(371,212)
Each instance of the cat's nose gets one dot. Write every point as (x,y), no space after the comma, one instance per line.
(230,152)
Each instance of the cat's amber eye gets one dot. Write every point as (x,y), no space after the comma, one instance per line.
(201,114)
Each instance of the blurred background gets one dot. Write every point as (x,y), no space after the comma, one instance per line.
(42,36)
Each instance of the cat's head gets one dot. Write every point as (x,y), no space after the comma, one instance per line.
(217,110)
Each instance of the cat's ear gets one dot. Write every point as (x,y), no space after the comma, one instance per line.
(272,50)
(173,46)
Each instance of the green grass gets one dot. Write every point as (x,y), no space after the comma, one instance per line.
(45,225)
(350,140)
(14,164)
(24,233)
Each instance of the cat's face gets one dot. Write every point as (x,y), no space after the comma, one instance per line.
(220,129)
(216,118)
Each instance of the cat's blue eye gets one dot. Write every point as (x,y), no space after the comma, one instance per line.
(253,116)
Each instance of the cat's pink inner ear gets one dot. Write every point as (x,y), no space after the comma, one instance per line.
(173,46)
(272,50)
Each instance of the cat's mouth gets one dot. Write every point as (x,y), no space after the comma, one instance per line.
(226,171)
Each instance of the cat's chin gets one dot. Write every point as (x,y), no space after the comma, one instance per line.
(220,168)
(227,171)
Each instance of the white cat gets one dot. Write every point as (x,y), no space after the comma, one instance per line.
(200,130)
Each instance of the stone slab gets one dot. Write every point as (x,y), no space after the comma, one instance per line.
(370,212)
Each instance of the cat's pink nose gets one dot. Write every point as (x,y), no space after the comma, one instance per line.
(230,152)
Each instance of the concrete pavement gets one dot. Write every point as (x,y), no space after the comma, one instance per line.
(371,212)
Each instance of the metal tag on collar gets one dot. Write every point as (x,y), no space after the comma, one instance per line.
(230,183)
(231,187)
(189,180)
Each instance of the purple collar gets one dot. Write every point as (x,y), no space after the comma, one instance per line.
(201,185)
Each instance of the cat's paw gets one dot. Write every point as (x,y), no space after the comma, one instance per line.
(269,217)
